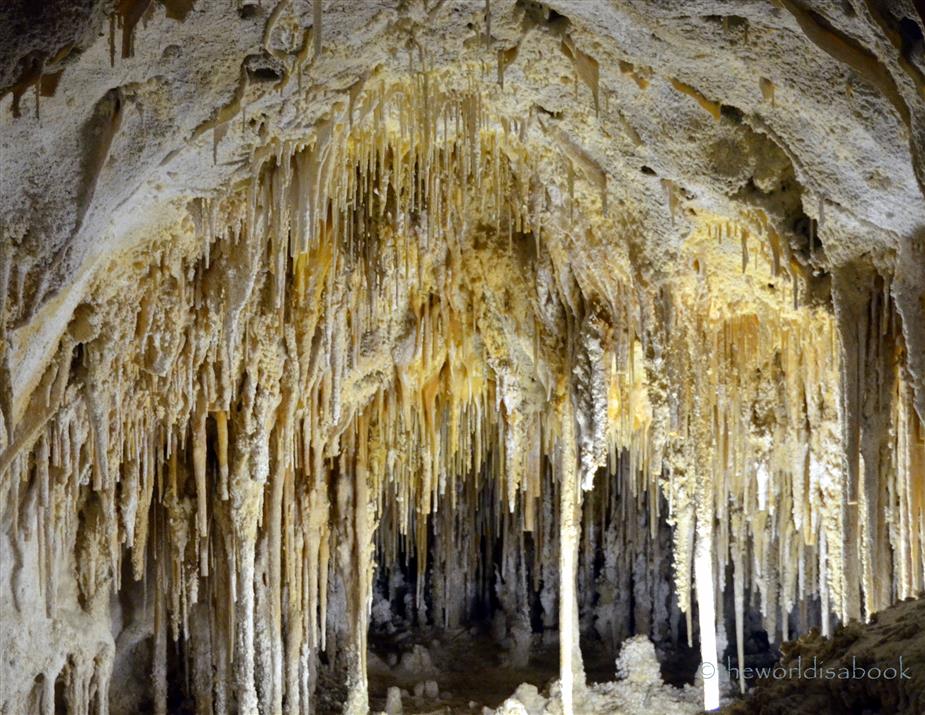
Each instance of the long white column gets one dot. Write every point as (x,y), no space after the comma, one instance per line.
(571,668)
(706,610)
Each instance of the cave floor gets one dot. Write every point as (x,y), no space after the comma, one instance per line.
(467,668)
(472,670)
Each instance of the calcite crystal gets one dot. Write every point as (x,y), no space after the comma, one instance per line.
(299,294)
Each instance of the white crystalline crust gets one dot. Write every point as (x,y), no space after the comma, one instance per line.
(638,690)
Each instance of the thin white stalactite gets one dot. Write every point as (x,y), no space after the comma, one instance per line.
(706,612)
(571,669)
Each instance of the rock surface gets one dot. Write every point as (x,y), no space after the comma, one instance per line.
(876,667)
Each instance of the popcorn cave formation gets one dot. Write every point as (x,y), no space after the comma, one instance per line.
(384,356)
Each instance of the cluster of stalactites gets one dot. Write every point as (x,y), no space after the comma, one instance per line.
(484,558)
(320,349)
(763,453)
(363,326)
